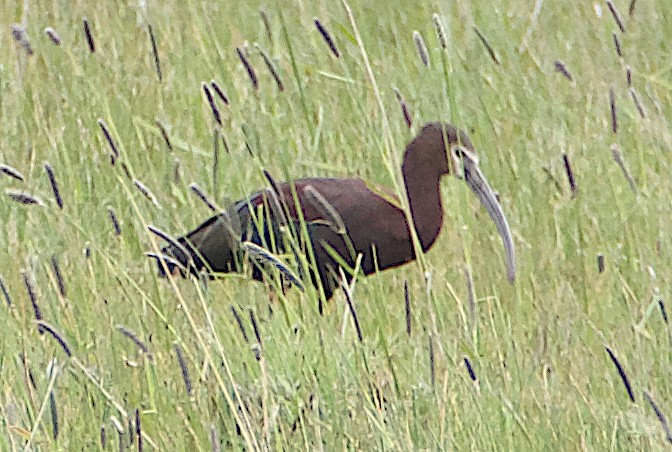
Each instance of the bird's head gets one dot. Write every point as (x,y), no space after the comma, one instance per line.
(449,150)
(444,148)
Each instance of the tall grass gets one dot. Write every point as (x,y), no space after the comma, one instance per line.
(105,127)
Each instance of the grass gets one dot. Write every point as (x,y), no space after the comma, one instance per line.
(547,356)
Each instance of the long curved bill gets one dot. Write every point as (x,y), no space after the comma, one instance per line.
(479,185)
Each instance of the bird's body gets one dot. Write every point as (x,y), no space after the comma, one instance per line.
(347,216)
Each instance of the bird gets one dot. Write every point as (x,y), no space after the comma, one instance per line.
(345,221)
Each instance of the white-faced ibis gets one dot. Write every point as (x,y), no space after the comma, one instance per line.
(345,216)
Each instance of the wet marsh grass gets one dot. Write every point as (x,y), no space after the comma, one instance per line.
(486,365)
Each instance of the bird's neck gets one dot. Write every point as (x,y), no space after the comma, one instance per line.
(424,198)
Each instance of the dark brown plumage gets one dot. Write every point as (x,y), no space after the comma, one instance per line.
(375,225)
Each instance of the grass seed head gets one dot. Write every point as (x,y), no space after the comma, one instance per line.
(265,256)
(164,134)
(248,68)
(20,36)
(255,327)
(271,68)
(616,15)
(32,295)
(470,369)
(659,414)
(622,374)
(488,47)
(114,220)
(628,75)
(638,103)
(43,326)
(432,360)
(239,321)
(136,340)
(89,35)
(103,437)
(404,107)
(11,172)
(5,293)
(54,185)
(267,24)
(155,52)
(220,93)
(177,178)
(421,48)
(617,45)
(138,429)
(202,196)
(600,263)
(440,31)
(211,102)
(561,67)
(612,106)
(327,37)
(114,155)
(185,370)
(618,158)
(55,38)
(146,192)
(59,276)
(570,175)
(407,305)
(23,198)
(663,311)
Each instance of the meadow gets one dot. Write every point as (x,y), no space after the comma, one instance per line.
(105,126)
